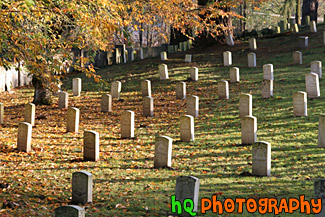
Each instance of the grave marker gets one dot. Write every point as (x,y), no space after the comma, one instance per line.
(300,104)
(297,58)
(252,44)
(163,152)
(245,105)
(234,74)
(82,187)
(316,67)
(268,71)
(194,74)
(251,59)
(188,58)
(192,106)
(248,130)
(319,189)
(147,106)
(227,58)
(63,100)
(24,136)
(29,116)
(146,88)
(116,87)
(181,90)
(187,128)
(163,71)
(313,27)
(76,86)
(127,124)
(163,55)
(267,89)
(223,90)
(106,103)
(91,146)
(70,211)
(261,159)
(73,120)
(312,85)
(303,41)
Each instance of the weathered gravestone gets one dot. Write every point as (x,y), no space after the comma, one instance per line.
(24,136)
(319,189)
(187,188)
(227,58)
(63,100)
(91,146)
(321,131)
(268,71)
(223,90)
(106,103)
(297,57)
(300,103)
(194,74)
(261,159)
(188,58)
(181,90)
(127,124)
(245,105)
(2,113)
(73,120)
(163,55)
(163,152)
(147,106)
(187,128)
(192,106)
(76,86)
(303,41)
(248,130)
(82,187)
(251,59)
(252,44)
(267,89)
(312,85)
(163,72)
(29,115)
(234,74)
(313,27)
(316,67)
(116,87)
(70,211)
(146,88)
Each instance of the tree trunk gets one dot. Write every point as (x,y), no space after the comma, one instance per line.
(298,12)
(42,95)
(309,7)
(141,34)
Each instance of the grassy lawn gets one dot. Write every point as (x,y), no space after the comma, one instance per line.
(125,182)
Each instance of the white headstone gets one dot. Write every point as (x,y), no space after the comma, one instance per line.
(106,103)
(223,90)
(251,59)
(192,106)
(188,58)
(76,86)
(303,41)
(312,85)
(313,27)
(70,211)
(147,106)
(261,159)
(268,71)
(181,90)
(300,103)
(316,67)
(146,88)
(163,152)
(163,55)
(245,105)
(297,58)
(91,146)
(24,136)
(82,187)
(187,187)
(116,87)
(163,71)
(319,189)
(321,131)
(63,100)
(248,130)
(252,44)
(187,128)
(73,120)
(234,74)
(194,74)
(267,89)
(127,124)
(29,116)
(227,58)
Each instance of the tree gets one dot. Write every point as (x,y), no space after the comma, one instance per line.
(309,8)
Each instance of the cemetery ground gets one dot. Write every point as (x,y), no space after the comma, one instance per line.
(125,182)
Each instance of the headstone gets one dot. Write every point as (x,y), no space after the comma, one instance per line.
(267,89)
(288,26)
(181,90)
(185,46)
(319,188)
(91,146)
(146,88)
(188,58)
(194,74)
(313,27)
(300,103)
(29,116)
(2,113)
(163,55)
(76,86)
(73,120)
(295,28)
(70,211)
(234,74)
(251,60)
(223,90)
(187,128)
(106,103)
(282,26)
(303,41)
(192,106)
(261,159)
(312,85)
(321,131)
(297,58)
(245,105)
(24,136)
(307,20)
(268,71)
(82,187)
(252,44)
(278,29)
(187,187)
(163,152)
(227,58)
(163,71)
(116,87)
(248,130)
(147,106)
(316,67)
(230,40)
(63,100)
(127,124)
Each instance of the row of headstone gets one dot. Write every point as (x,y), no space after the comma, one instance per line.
(227,59)
(12,78)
